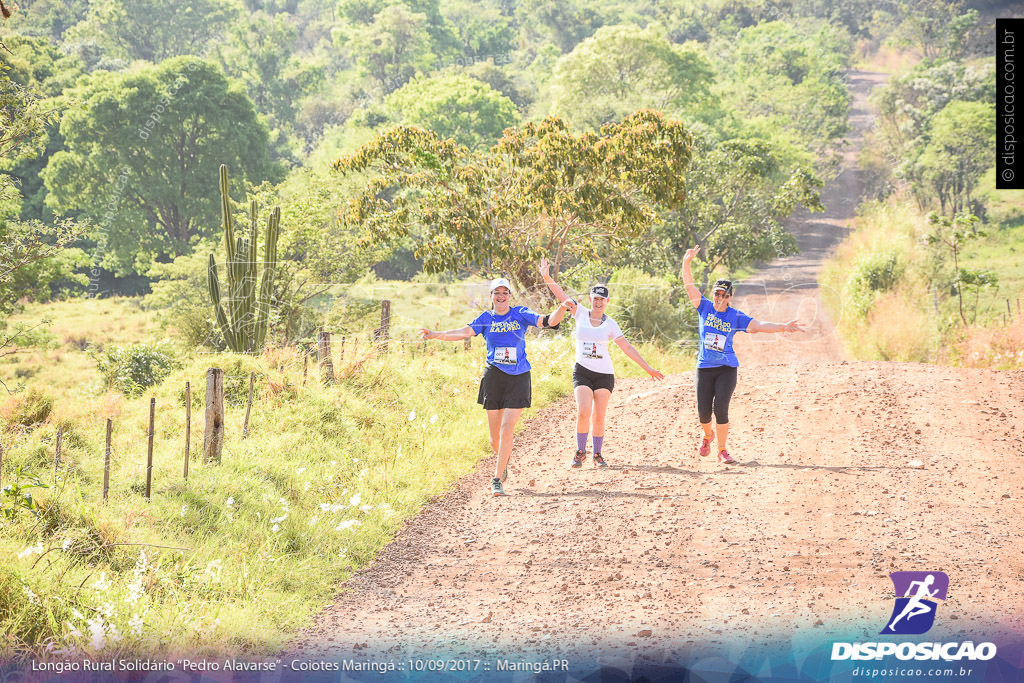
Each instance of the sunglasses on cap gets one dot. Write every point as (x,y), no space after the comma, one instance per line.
(599,290)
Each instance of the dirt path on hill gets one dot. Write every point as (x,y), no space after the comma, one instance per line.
(849,471)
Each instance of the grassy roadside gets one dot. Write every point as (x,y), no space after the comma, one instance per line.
(881,287)
(242,554)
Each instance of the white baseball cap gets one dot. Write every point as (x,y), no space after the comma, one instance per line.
(500,282)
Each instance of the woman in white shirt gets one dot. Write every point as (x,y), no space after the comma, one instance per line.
(593,376)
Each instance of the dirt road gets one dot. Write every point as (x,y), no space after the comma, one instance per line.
(849,471)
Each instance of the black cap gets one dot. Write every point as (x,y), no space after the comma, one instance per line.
(599,290)
(722,285)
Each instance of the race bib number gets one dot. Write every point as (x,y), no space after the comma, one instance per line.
(590,350)
(505,355)
(714,342)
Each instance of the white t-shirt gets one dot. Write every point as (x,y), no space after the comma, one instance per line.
(592,342)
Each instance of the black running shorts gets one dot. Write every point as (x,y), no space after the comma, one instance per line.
(499,390)
(584,377)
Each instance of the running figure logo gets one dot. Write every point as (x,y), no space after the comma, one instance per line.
(914,612)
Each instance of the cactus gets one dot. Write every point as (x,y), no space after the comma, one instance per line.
(245,320)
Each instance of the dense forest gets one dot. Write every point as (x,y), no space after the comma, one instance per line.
(118,113)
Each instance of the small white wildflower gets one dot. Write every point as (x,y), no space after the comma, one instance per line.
(275,528)
(275,520)
(362,472)
(333,463)
(76,614)
(433,418)
(307,485)
(36,549)
(347,524)
(32,597)
(230,501)
(399,453)
(212,570)
(412,415)
(366,508)
(355,500)
(184,509)
(313,521)
(66,545)
(102,584)
(300,470)
(135,624)
(97,634)
(73,632)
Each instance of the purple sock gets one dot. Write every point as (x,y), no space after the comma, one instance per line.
(581,441)
(598,442)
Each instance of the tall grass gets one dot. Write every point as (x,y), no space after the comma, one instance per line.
(881,285)
(240,555)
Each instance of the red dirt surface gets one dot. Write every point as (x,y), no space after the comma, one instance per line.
(848,471)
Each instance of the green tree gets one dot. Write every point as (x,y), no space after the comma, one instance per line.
(150,29)
(540,190)
(393,48)
(949,236)
(786,81)
(958,151)
(455,106)
(620,69)
(142,157)
(258,52)
(561,22)
(938,28)
(739,192)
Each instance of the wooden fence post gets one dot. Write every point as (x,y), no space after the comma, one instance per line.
(56,457)
(149,457)
(106,459)
(248,406)
(341,355)
(305,366)
(323,352)
(385,324)
(1,463)
(188,424)
(213,434)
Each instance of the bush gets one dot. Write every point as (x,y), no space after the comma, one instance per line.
(645,306)
(31,408)
(133,369)
(871,275)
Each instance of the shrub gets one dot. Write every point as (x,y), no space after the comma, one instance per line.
(645,306)
(31,408)
(869,276)
(133,369)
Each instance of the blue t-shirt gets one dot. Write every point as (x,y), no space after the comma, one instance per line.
(715,333)
(506,337)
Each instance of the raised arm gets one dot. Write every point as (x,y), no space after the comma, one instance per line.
(545,273)
(691,289)
(633,354)
(756,326)
(451,335)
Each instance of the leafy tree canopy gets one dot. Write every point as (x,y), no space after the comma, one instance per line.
(540,190)
(455,106)
(150,29)
(142,157)
(620,69)
(958,152)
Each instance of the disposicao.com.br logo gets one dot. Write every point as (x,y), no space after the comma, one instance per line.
(914,614)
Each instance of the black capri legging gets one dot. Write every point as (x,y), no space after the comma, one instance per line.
(714,389)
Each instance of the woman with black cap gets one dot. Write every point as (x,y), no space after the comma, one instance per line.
(505,388)
(716,360)
(593,377)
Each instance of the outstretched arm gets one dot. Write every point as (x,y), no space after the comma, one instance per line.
(758,326)
(556,315)
(635,356)
(451,335)
(691,289)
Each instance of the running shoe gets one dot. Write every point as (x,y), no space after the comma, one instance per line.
(726,458)
(578,459)
(496,489)
(705,447)
(599,460)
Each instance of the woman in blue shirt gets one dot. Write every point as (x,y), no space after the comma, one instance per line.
(505,388)
(716,360)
